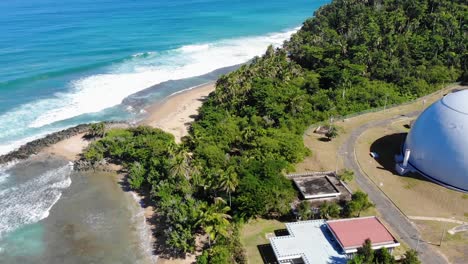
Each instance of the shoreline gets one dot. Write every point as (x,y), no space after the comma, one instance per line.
(50,143)
(173,115)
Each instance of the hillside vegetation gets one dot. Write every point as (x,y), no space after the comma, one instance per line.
(351,56)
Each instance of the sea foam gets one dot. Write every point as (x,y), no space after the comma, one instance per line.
(4,175)
(95,93)
(98,92)
(30,201)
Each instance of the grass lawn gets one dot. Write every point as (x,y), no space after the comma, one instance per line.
(253,234)
(454,247)
(414,195)
(324,153)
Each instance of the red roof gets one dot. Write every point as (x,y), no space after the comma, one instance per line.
(352,233)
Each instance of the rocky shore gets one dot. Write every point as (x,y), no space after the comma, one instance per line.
(36,146)
(173,115)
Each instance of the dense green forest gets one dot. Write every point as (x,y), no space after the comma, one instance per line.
(351,56)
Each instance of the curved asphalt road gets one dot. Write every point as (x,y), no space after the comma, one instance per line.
(389,212)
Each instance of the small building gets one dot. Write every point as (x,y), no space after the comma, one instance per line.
(316,187)
(351,233)
(326,242)
(308,242)
(320,185)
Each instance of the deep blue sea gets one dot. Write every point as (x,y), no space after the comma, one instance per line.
(67,62)
(70,62)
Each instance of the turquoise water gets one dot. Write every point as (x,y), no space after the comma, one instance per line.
(65,62)
(70,62)
(50,214)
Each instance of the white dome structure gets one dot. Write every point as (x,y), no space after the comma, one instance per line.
(438,142)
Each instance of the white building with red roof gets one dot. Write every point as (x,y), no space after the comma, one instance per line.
(352,233)
(326,242)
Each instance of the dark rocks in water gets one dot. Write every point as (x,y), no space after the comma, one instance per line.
(84,165)
(37,145)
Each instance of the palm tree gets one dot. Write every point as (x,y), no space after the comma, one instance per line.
(304,210)
(295,105)
(229,182)
(248,134)
(214,219)
(328,210)
(197,178)
(180,164)
(96,130)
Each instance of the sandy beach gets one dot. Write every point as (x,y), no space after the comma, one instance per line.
(175,114)
(69,148)
(172,115)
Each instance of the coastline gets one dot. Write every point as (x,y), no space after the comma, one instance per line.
(176,112)
(69,148)
(173,115)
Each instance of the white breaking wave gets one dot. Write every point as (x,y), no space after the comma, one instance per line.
(31,201)
(98,92)
(3,175)
(4,149)
(144,230)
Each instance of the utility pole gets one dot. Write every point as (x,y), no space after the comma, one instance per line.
(443,234)
(444,230)
(336,165)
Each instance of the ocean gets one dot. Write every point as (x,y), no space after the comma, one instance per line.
(70,62)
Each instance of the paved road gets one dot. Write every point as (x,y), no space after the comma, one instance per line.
(389,212)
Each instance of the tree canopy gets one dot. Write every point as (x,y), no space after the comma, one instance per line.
(351,56)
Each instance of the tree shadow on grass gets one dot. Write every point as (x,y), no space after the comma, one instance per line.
(387,147)
(267,254)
